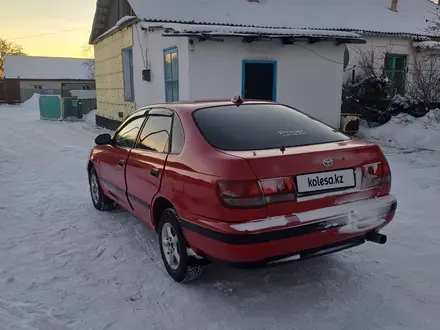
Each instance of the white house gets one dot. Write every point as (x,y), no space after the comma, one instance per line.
(149,51)
(291,51)
(397,33)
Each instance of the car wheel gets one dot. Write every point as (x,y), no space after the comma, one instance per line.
(100,201)
(173,248)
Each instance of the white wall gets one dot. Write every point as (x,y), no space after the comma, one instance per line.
(151,45)
(380,46)
(308,77)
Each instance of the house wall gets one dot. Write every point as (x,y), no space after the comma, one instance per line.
(46,84)
(66,87)
(309,77)
(149,48)
(380,46)
(109,75)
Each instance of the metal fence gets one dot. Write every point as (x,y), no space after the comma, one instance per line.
(9,91)
(87,105)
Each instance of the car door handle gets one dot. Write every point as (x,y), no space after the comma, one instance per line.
(121,163)
(155,172)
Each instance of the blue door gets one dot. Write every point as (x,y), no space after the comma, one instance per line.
(259,80)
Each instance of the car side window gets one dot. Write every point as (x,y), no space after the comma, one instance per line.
(126,137)
(178,138)
(155,135)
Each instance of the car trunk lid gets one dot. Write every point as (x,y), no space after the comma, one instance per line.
(322,173)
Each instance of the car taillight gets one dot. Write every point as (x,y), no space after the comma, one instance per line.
(375,174)
(278,190)
(240,193)
(386,172)
(248,194)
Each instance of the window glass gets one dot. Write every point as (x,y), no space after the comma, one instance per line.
(178,137)
(127,68)
(155,134)
(126,137)
(174,66)
(395,68)
(261,126)
(171,68)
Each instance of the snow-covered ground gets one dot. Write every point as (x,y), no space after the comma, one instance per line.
(405,131)
(64,265)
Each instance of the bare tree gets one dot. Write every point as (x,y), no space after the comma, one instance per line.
(434,23)
(371,62)
(368,63)
(89,63)
(424,85)
(8,48)
(369,94)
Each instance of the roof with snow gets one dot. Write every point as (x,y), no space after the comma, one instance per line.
(175,29)
(123,22)
(49,68)
(373,16)
(429,44)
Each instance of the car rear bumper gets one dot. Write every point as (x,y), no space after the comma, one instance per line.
(272,239)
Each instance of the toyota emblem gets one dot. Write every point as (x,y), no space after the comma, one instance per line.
(328,162)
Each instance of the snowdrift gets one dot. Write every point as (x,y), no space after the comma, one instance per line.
(90,117)
(406,131)
(32,103)
(30,108)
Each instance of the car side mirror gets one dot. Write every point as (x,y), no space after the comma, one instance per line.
(103,139)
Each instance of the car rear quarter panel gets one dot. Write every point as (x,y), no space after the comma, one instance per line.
(190,178)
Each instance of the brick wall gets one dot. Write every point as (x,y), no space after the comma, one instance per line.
(109,75)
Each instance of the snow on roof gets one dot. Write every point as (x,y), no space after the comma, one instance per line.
(427,44)
(124,21)
(372,16)
(221,30)
(31,67)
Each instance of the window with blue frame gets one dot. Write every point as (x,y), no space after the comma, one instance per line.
(171,67)
(127,69)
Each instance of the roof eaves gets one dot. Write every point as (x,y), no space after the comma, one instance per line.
(254,33)
(84,80)
(366,32)
(256,36)
(115,29)
(427,45)
(392,34)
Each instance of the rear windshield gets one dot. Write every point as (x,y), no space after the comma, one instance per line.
(261,126)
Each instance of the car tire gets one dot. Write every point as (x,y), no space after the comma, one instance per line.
(100,201)
(179,265)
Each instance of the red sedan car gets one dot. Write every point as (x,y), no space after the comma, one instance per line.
(247,182)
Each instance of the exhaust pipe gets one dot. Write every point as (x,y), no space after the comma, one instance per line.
(376,238)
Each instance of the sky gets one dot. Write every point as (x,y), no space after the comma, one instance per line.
(57,28)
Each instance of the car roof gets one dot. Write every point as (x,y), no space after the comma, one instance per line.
(199,104)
